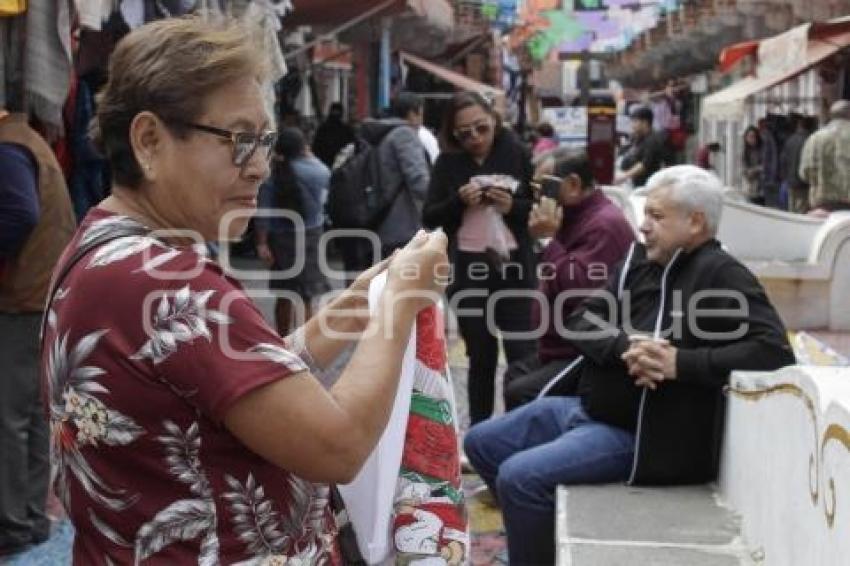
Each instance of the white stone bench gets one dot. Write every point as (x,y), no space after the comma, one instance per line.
(616,524)
(786,464)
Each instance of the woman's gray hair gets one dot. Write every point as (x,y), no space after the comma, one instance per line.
(694,189)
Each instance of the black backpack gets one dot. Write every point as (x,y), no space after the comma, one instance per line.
(356,196)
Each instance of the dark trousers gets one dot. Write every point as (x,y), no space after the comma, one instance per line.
(24,448)
(509,314)
(525,379)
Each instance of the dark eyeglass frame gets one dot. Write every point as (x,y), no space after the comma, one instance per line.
(245,144)
(479,129)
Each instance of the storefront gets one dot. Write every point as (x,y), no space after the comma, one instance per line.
(800,71)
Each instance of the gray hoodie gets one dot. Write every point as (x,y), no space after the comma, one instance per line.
(404,164)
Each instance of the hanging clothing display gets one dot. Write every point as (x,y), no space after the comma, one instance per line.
(92,13)
(47,62)
(133,12)
(265,15)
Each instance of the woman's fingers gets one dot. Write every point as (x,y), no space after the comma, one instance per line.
(438,240)
(418,240)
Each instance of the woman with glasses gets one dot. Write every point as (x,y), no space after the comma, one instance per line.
(184,429)
(478,150)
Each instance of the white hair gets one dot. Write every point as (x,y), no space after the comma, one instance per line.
(694,189)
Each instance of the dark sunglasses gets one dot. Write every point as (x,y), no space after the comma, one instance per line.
(245,144)
(479,129)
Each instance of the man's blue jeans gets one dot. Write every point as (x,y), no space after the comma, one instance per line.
(524,454)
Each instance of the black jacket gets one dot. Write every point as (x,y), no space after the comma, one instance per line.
(444,208)
(679,425)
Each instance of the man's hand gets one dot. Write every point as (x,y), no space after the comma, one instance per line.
(650,362)
(545,218)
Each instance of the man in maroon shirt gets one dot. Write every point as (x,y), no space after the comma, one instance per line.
(588,236)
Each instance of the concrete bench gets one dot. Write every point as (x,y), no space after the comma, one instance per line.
(785,472)
(616,524)
(786,464)
(802,262)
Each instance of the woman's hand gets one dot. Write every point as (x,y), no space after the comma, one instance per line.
(501,200)
(361,284)
(470,194)
(415,274)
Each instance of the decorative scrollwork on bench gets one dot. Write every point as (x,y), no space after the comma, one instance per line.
(834,432)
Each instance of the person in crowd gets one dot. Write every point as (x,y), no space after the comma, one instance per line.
(667,118)
(652,375)
(769,179)
(667,109)
(546,140)
(474,214)
(403,168)
(705,153)
(299,184)
(794,191)
(648,152)
(36,222)
(184,429)
(292,118)
(332,135)
(825,162)
(588,235)
(752,162)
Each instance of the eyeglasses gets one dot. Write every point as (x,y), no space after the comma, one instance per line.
(245,144)
(466,133)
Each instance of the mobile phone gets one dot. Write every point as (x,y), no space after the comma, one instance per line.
(550,186)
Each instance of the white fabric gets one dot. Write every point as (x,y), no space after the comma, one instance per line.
(429,140)
(730,102)
(369,498)
(133,12)
(265,15)
(94,12)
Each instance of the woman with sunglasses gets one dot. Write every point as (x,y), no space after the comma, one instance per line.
(184,429)
(476,145)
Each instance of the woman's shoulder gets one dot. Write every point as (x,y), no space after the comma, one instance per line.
(124,258)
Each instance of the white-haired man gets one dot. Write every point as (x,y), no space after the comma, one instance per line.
(658,347)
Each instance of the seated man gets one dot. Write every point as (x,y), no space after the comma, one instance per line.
(589,236)
(658,345)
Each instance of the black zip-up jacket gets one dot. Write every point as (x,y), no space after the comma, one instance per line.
(679,425)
